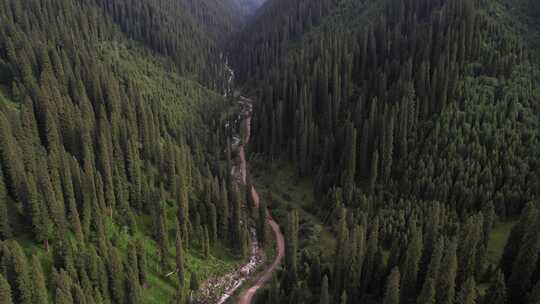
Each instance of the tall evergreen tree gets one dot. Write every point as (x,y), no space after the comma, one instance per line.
(5,226)
(5,291)
(261,223)
(411,264)
(496,294)
(179,258)
(467,295)
(324,297)
(446,282)
(391,295)
(40,287)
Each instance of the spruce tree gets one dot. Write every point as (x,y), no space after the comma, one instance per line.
(427,295)
(134,292)
(324,297)
(5,227)
(141,259)
(467,295)
(23,281)
(179,257)
(534,295)
(237,237)
(261,223)
(496,294)
(273,295)
(392,292)
(116,276)
(291,249)
(206,243)
(5,291)
(446,283)
(349,165)
(213,224)
(520,281)
(224,218)
(40,286)
(411,264)
(374,170)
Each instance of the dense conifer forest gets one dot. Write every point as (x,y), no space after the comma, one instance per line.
(417,121)
(396,143)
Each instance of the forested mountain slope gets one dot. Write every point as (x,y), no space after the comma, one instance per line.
(418,121)
(111,170)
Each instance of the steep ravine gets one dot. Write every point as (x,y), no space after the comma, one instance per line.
(220,290)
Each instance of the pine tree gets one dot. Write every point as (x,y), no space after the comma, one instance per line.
(427,295)
(467,295)
(411,264)
(324,297)
(446,283)
(374,171)
(534,296)
(116,275)
(349,166)
(525,263)
(206,243)
(40,287)
(23,281)
(261,223)
(291,249)
(213,224)
(496,294)
(134,292)
(237,237)
(5,227)
(341,254)
(391,295)
(141,259)
(273,297)
(224,218)
(5,291)
(344,298)
(179,257)
(315,274)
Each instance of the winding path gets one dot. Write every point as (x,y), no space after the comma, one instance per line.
(247,296)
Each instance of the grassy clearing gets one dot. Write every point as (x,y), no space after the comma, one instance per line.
(498,239)
(283,190)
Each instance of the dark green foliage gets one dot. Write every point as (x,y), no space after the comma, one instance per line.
(410,265)
(446,284)
(496,293)
(427,295)
(194,282)
(525,262)
(5,291)
(261,223)
(291,249)
(179,258)
(5,226)
(38,277)
(324,297)
(534,296)
(467,295)
(392,292)
(103,122)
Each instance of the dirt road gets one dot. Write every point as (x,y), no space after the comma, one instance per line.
(247,296)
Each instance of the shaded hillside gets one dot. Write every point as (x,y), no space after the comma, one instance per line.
(419,123)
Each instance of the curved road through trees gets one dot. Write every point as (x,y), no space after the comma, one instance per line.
(247,296)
